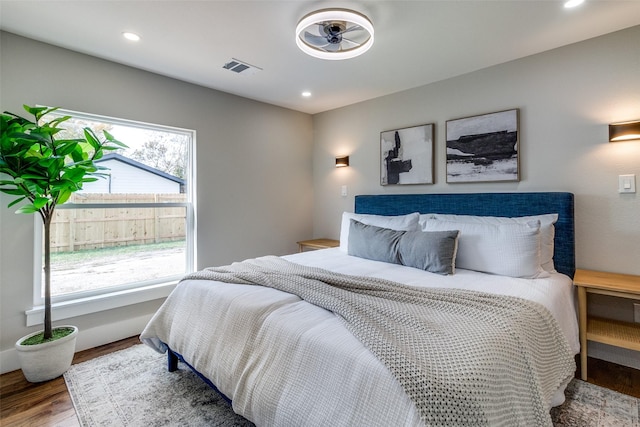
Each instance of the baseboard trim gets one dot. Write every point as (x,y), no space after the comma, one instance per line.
(88,338)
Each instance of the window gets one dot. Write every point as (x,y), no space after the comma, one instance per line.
(132,229)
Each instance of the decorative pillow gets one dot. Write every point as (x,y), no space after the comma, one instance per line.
(547,230)
(431,251)
(400,222)
(371,242)
(504,249)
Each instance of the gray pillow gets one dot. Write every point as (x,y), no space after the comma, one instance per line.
(375,243)
(433,251)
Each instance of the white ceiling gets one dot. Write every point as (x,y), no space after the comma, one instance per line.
(416,42)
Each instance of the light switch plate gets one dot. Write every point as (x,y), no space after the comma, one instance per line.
(627,183)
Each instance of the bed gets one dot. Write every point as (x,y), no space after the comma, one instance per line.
(283,361)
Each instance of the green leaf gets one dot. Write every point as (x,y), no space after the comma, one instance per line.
(33,177)
(64,196)
(40,202)
(14,191)
(111,139)
(74,174)
(66,148)
(34,110)
(27,209)
(91,138)
(16,201)
(77,154)
(56,122)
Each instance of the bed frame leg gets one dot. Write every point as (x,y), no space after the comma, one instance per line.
(172,361)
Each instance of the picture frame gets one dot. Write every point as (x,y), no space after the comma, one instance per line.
(406,155)
(484,148)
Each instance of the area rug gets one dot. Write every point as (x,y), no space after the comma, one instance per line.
(132,387)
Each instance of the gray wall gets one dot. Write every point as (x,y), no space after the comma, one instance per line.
(566,97)
(249,205)
(254,162)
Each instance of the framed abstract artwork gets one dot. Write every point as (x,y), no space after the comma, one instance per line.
(483,148)
(406,155)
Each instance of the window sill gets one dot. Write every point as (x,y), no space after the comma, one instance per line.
(88,305)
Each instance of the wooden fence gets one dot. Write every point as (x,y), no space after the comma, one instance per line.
(79,229)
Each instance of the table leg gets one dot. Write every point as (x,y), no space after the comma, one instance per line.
(582,308)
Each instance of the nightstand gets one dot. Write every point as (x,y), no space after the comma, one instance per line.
(318,244)
(611,332)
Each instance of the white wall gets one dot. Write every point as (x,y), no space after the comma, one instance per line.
(127,179)
(566,97)
(248,203)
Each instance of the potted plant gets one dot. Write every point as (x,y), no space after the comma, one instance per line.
(42,169)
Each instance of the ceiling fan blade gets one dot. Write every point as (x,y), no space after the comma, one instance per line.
(352,28)
(314,40)
(351,42)
(331,47)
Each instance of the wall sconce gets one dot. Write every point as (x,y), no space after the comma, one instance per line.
(625,131)
(342,162)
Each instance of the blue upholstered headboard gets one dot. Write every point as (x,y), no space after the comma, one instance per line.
(487,204)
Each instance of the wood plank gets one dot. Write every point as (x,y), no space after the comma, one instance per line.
(626,283)
(318,244)
(45,404)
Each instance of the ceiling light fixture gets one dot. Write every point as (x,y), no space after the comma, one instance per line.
(334,34)
(131,36)
(573,3)
(306,94)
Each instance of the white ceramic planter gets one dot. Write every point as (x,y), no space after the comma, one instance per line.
(44,362)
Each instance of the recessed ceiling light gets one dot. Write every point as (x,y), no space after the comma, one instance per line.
(131,36)
(573,3)
(306,94)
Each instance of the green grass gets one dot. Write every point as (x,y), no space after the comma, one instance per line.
(57,334)
(87,255)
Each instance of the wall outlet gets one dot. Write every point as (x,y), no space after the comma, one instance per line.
(636,313)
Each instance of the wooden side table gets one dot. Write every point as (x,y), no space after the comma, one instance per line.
(318,244)
(611,332)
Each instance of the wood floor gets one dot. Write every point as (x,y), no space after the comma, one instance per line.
(49,404)
(45,404)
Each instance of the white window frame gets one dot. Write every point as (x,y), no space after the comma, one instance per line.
(81,303)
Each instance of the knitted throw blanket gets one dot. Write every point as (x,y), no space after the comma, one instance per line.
(465,358)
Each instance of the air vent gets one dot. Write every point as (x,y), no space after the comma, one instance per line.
(240,67)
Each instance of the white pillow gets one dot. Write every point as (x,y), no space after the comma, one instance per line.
(399,222)
(422,221)
(547,230)
(504,249)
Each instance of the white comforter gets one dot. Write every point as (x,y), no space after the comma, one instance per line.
(285,362)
